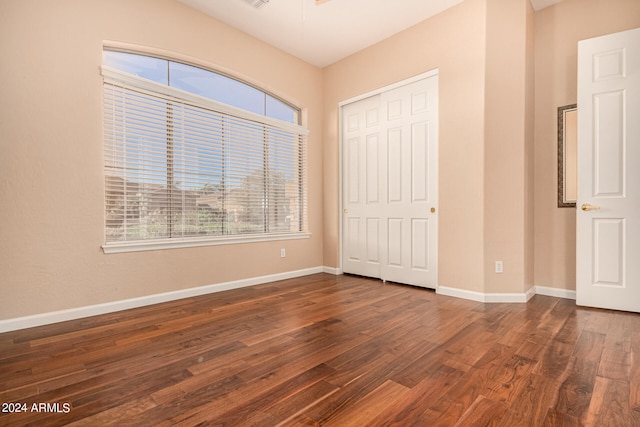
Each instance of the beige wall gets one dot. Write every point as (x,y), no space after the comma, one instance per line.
(504,69)
(51,179)
(493,141)
(507,177)
(558,30)
(484,52)
(453,42)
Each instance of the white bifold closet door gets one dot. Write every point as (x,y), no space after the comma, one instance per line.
(389,184)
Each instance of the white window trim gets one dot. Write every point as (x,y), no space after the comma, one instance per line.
(112,75)
(178,243)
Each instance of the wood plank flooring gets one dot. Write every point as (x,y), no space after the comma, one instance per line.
(328,350)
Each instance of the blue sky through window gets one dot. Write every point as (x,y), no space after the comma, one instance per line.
(143,66)
(202,82)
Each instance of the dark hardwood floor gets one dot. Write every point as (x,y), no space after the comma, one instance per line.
(328,350)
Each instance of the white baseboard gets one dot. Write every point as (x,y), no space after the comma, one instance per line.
(332,270)
(110,307)
(555,292)
(484,297)
(506,297)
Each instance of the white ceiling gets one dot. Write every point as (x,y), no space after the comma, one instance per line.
(324,33)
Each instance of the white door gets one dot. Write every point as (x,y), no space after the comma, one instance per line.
(390,161)
(363,209)
(608,215)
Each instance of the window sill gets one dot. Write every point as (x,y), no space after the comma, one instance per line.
(160,244)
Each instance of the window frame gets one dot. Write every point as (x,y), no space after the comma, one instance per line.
(115,77)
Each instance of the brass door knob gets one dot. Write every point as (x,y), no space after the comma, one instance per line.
(587,207)
(433,210)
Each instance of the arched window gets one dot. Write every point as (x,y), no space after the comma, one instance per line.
(193,157)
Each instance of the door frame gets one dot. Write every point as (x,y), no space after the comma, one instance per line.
(431,73)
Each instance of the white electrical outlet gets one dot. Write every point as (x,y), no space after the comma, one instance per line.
(283,253)
(499,267)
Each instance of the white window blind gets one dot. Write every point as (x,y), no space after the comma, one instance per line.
(181,167)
